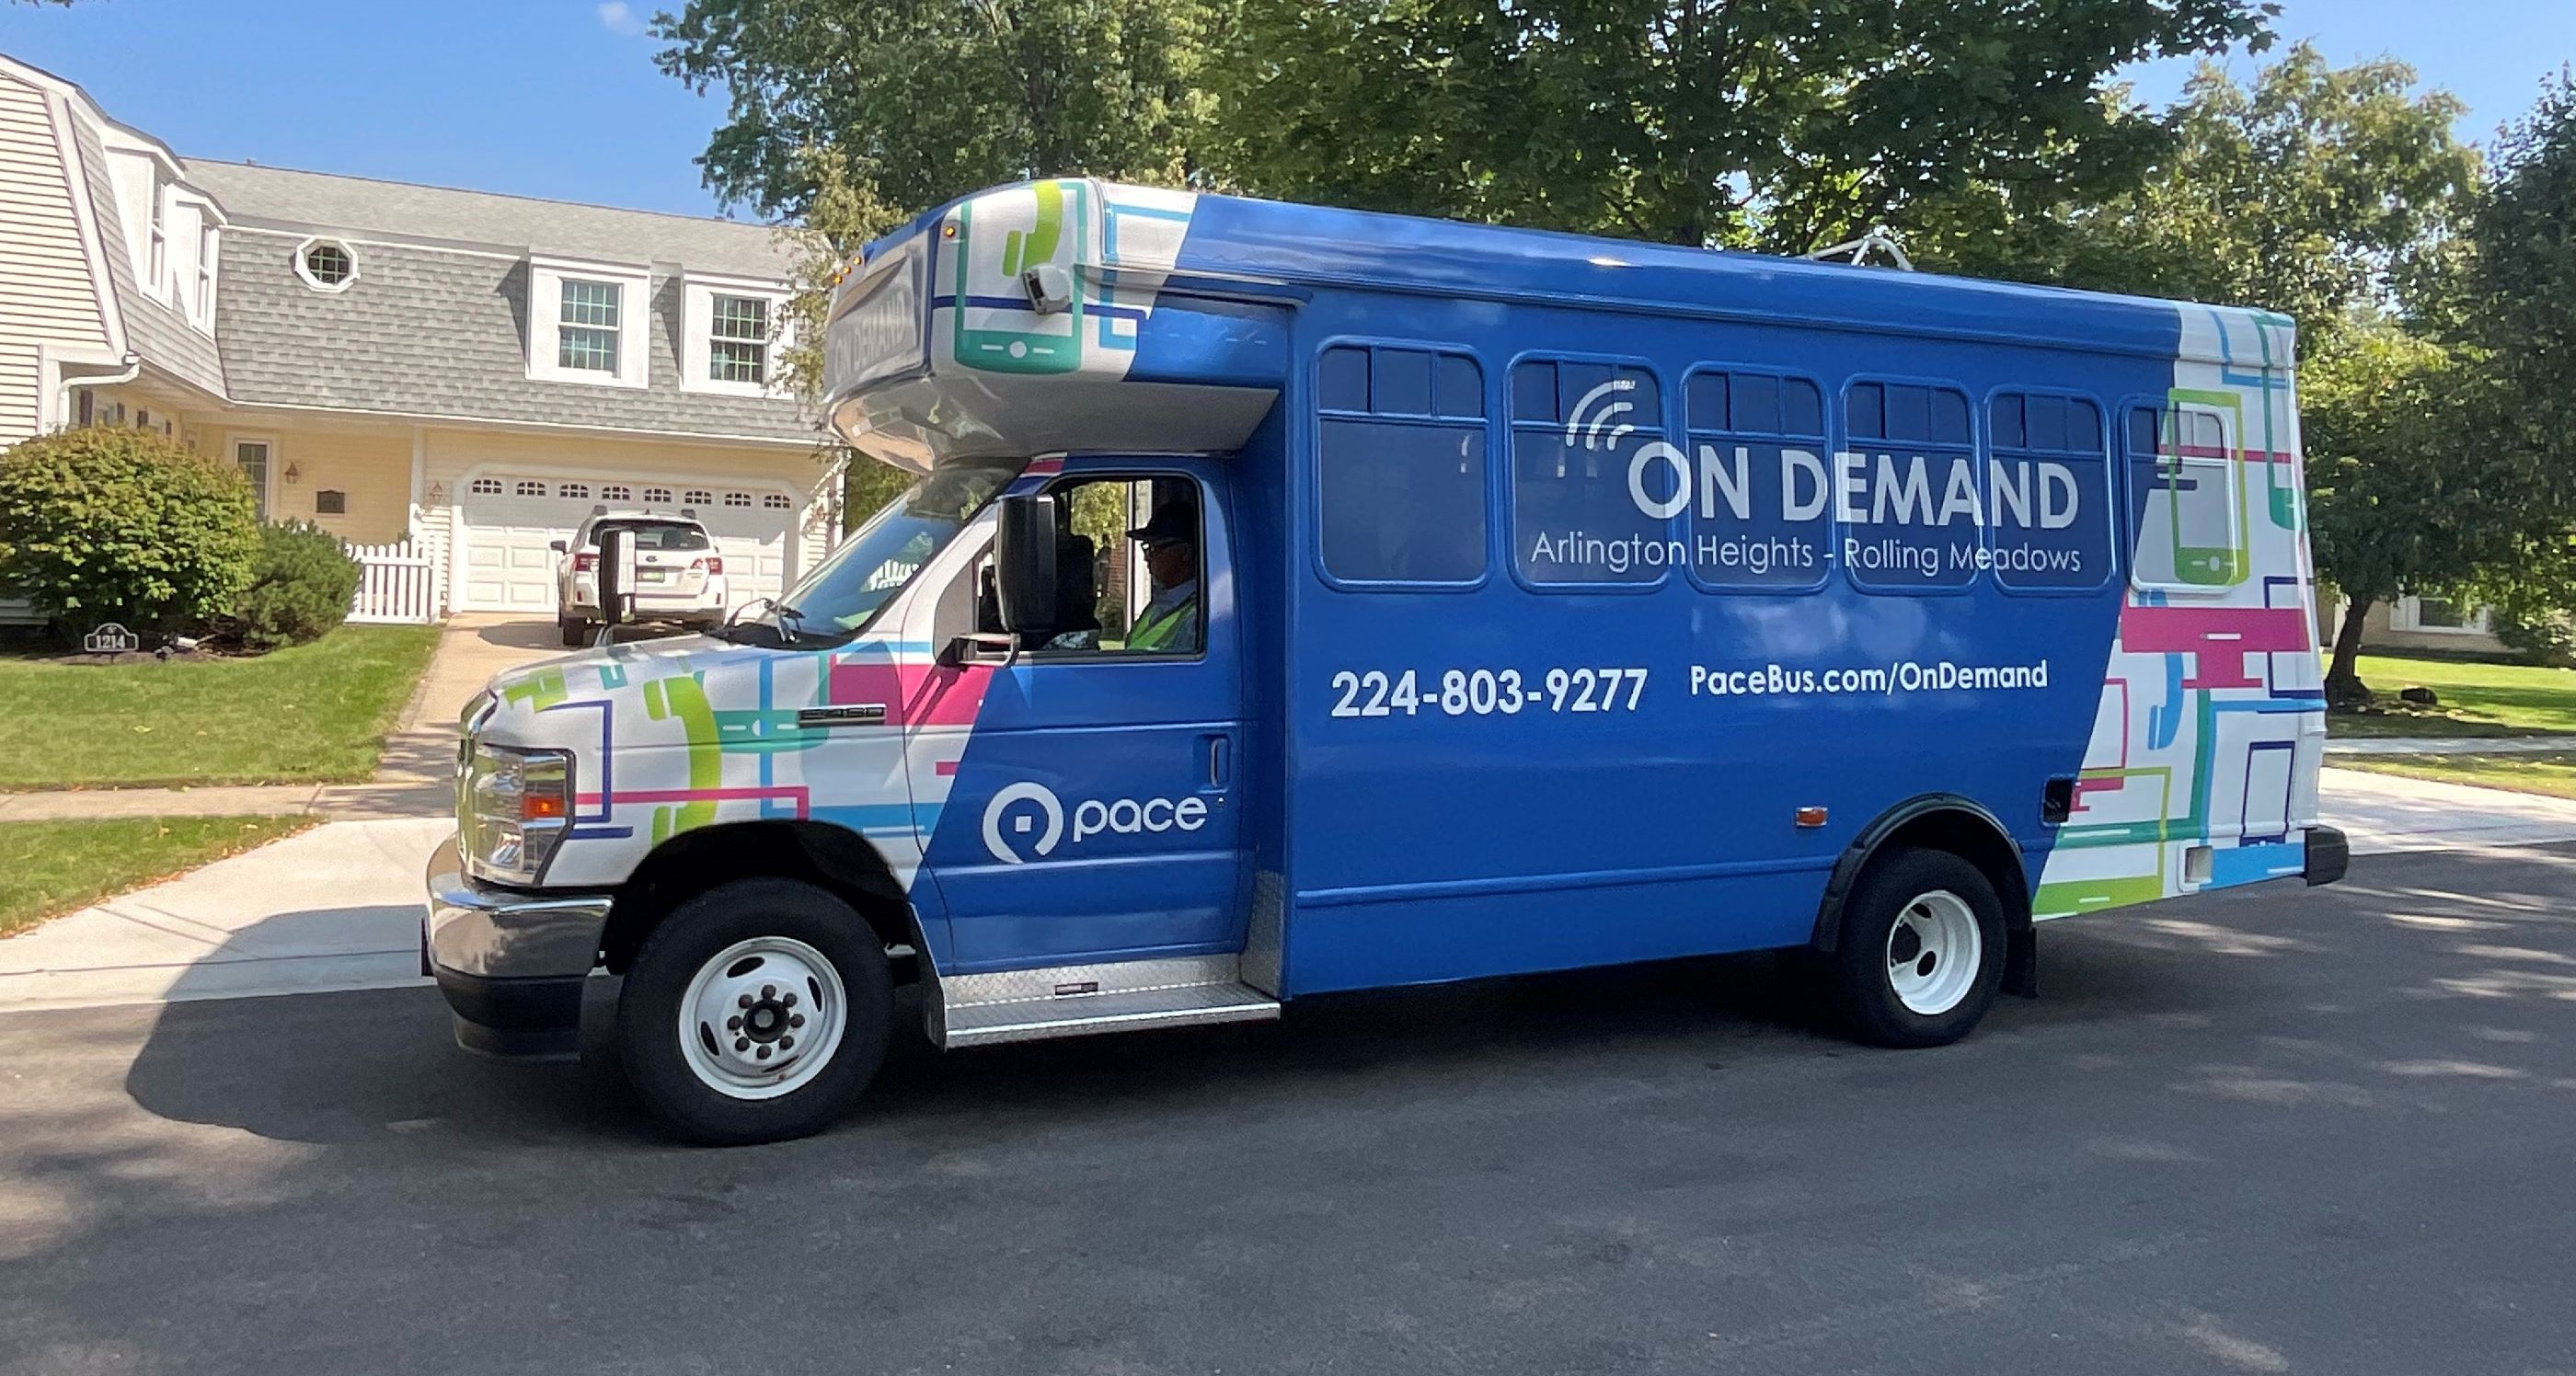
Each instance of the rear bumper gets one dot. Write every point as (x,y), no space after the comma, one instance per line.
(2329,855)
(512,965)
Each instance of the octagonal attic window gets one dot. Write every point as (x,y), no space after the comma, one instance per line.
(325,264)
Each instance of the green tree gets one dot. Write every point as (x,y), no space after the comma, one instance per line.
(1779,124)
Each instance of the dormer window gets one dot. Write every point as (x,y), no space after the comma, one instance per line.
(727,341)
(586,336)
(326,264)
(588,321)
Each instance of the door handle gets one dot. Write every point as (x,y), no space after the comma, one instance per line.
(1216,762)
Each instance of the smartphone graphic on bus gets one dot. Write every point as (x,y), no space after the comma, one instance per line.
(2205,490)
(999,238)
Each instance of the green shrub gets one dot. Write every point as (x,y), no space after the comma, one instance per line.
(112,524)
(301,589)
(2543,636)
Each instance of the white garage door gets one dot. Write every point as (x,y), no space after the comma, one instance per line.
(509,519)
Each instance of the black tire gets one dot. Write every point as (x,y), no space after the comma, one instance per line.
(1862,980)
(648,1011)
(575,631)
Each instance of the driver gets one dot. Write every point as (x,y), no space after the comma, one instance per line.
(1170,621)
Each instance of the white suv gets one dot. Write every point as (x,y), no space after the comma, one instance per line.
(679,576)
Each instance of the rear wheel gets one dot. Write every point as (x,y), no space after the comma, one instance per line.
(1921,952)
(757,1011)
(575,631)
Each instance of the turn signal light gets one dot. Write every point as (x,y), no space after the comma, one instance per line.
(541,807)
(1811,816)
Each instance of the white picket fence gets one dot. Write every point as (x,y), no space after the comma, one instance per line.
(394,585)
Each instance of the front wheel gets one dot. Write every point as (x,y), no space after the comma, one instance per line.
(755,1012)
(1921,952)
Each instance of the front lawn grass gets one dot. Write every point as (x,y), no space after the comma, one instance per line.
(2552,772)
(2477,699)
(314,713)
(51,868)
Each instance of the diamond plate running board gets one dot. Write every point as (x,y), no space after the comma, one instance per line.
(1080,1000)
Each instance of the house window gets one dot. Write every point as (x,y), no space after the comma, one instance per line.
(252,457)
(738,344)
(586,338)
(737,499)
(160,264)
(617,492)
(326,264)
(329,503)
(572,489)
(776,501)
(206,273)
(486,487)
(657,496)
(530,487)
(2439,614)
(697,496)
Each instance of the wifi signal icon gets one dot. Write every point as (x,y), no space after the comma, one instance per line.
(1605,405)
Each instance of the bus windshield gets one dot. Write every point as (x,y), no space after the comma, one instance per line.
(856,580)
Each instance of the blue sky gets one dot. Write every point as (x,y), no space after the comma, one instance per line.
(560,98)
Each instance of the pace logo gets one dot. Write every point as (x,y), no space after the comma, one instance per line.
(1047,807)
(1027,810)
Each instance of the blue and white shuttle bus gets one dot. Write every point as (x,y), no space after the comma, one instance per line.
(1297,600)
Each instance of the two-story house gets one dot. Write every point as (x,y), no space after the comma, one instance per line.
(465,373)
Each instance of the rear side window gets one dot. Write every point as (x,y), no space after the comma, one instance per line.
(2050,505)
(1595,490)
(1400,466)
(668,536)
(2188,522)
(1907,490)
(1759,518)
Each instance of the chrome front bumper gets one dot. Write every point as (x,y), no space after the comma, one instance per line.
(511,964)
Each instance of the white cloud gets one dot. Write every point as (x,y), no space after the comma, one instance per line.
(620,17)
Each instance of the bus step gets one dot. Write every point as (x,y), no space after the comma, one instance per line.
(1078,1001)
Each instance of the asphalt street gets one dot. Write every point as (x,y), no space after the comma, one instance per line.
(2281,1130)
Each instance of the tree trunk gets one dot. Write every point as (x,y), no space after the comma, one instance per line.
(2344,688)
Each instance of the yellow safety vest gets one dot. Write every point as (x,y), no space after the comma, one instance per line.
(1157,633)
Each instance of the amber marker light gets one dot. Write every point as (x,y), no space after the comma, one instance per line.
(1811,816)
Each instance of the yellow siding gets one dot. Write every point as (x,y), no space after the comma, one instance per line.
(46,295)
(372,470)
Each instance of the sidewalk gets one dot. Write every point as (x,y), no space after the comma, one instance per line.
(337,907)
(2449,745)
(415,776)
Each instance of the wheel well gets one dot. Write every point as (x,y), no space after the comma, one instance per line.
(832,858)
(1957,826)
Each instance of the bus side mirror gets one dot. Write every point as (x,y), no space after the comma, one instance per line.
(1024,563)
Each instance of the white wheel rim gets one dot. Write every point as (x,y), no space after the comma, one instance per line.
(1933,952)
(762,1018)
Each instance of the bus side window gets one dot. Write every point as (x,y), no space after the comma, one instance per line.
(2188,528)
(1400,467)
(1760,513)
(2050,504)
(1579,514)
(1912,459)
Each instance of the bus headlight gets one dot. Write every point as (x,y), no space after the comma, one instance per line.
(513,809)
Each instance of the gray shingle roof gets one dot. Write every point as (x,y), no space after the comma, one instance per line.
(426,331)
(152,328)
(354,204)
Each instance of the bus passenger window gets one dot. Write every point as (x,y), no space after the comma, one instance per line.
(2050,498)
(1596,487)
(1760,466)
(1400,466)
(1907,490)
